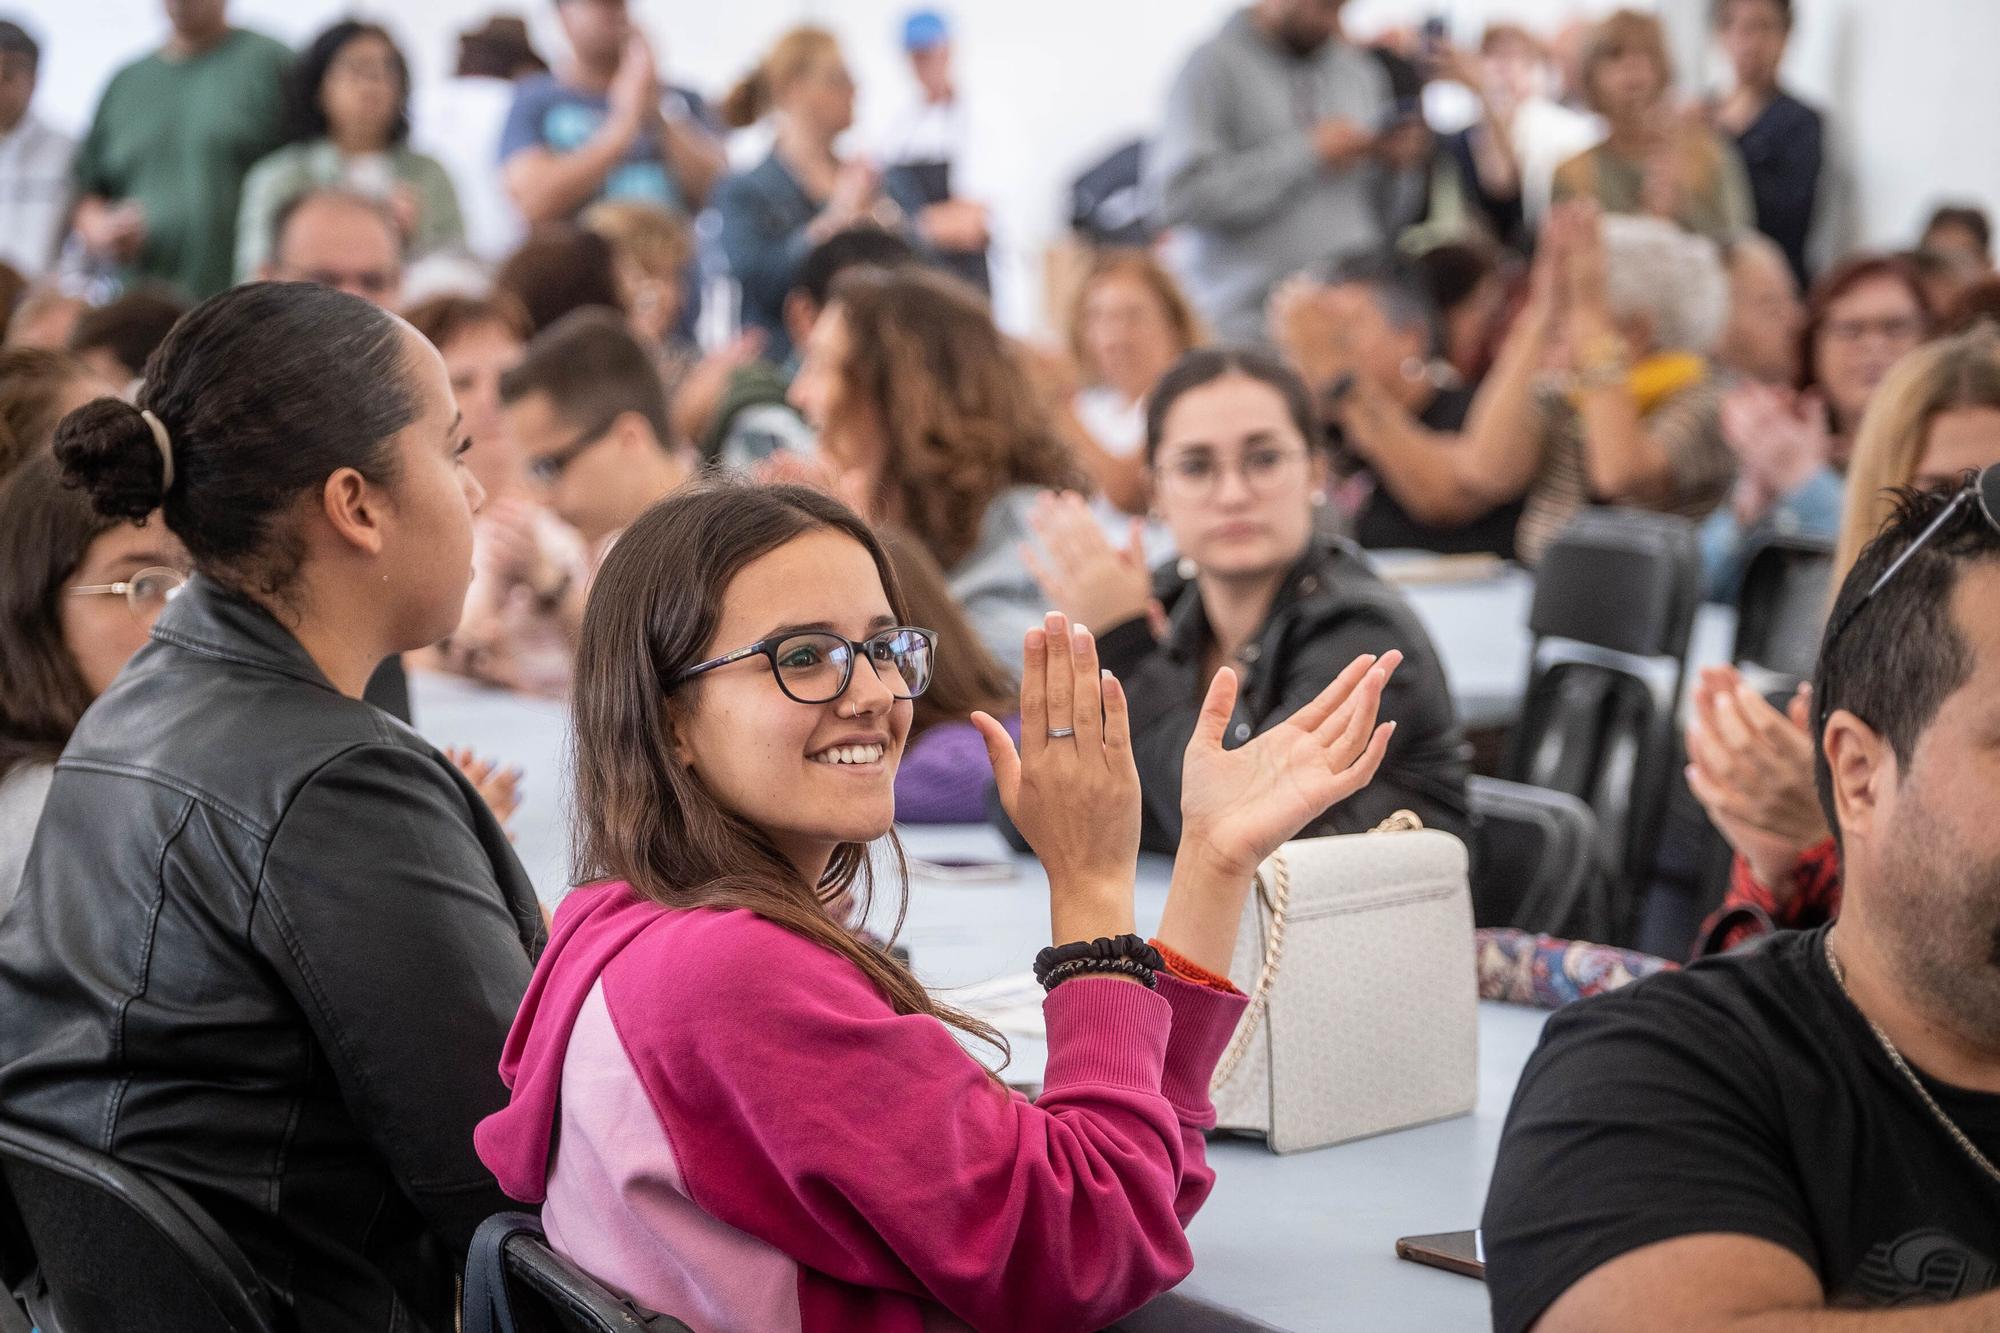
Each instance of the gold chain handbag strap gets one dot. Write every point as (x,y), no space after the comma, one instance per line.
(1278,893)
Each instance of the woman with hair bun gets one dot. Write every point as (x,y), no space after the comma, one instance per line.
(335,931)
(804,192)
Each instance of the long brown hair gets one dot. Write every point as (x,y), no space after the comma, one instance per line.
(45,531)
(957,416)
(965,677)
(641,815)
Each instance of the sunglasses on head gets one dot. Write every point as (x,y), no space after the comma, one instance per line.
(1981,490)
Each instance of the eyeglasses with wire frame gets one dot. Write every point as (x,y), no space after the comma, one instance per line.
(145,592)
(815,666)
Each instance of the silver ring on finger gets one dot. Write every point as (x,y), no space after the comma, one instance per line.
(1061,733)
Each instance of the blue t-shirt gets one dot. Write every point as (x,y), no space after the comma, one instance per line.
(548,113)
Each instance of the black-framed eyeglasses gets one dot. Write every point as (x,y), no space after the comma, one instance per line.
(145,592)
(1982,490)
(814,666)
(549,467)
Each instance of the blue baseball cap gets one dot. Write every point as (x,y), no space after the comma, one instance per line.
(925,29)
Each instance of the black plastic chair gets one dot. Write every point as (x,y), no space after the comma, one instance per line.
(514,1283)
(102,1248)
(1624,580)
(1615,601)
(1540,865)
(1781,608)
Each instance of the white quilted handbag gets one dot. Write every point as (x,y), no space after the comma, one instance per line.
(1356,952)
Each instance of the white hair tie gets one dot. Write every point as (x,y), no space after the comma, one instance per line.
(165,444)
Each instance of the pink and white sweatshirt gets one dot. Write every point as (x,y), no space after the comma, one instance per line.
(730,1124)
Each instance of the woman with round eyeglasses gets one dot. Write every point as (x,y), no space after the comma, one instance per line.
(1794,446)
(1229,445)
(727,1099)
(78,596)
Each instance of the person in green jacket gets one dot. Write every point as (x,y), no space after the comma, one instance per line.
(350,93)
(159,173)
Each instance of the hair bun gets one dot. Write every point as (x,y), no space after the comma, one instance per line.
(106,449)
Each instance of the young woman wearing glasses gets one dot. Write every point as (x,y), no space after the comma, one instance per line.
(1234,473)
(78,595)
(733,1106)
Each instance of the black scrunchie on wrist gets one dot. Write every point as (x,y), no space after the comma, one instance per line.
(1098,952)
(1083,967)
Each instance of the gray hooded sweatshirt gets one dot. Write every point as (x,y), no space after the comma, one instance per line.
(1238,178)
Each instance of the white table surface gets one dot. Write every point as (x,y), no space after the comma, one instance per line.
(1301,1242)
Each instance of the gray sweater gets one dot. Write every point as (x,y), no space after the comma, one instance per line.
(1238,177)
(1001,598)
(22,793)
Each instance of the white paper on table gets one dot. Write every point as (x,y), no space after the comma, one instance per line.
(1013,1004)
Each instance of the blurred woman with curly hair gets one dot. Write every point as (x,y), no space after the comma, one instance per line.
(928,412)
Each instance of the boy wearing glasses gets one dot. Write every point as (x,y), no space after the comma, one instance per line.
(588,413)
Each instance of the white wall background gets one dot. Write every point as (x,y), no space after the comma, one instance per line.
(1054,83)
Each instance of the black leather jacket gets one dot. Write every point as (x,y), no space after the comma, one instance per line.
(268,944)
(1331,608)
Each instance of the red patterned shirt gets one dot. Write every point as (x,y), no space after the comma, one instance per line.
(1752,910)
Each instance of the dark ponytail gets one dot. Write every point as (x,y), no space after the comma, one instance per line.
(107,448)
(263,392)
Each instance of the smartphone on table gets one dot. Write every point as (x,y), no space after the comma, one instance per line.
(962,869)
(1462,1252)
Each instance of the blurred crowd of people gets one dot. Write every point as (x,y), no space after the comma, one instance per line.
(1404,294)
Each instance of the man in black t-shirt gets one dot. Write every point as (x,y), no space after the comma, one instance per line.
(1815,1125)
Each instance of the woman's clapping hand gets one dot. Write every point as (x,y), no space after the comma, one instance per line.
(1073,795)
(1089,580)
(1238,806)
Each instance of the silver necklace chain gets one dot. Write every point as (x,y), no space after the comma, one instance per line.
(1896,1058)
